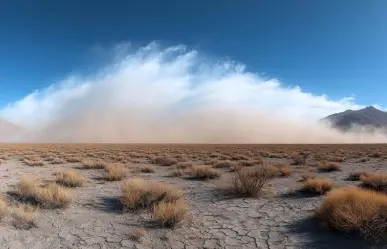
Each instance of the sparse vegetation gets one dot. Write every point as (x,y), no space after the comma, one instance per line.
(137,233)
(53,196)
(169,214)
(376,181)
(24,216)
(355,210)
(164,161)
(328,166)
(114,172)
(284,170)
(355,175)
(317,185)
(70,178)
(203,172)
(93,164)
(147,169)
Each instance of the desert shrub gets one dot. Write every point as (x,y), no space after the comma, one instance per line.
(317,185)
(307,176)
(73,159)
(355,175)
(169,214)
(223,164)
(299,159)
(376,181)
(24,216)
(58,161)
(70,178)
(139,194)
(284,170)
(27,188)
(353,209)
(164,160)
(203,172)
(53,196)
(33,163)
(249,181)
(147,169)
(183,165)
(93,164)
(177,172)
(114,172)
(328,166)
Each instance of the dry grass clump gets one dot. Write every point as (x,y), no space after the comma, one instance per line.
(299,159)
(169,214)
(223,164)
(203,172)
(328,166)
(284,170)
(58,160)
(183,165)
(70,178)
(114,172)
(376,181)
(27,188)
(93,164)
(24,217)
(353,209)
(164,160)
(355,175)
(137,233)
(73,159)
(307,176)
(249,181)
(317,185)
(176,172)
(139,194)
(33,163)
(53,196)
(147,169)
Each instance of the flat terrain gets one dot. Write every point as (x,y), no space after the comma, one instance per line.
(281,217)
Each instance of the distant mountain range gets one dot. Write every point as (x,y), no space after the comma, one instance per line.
(369,116)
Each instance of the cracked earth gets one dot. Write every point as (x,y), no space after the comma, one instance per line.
(94,219)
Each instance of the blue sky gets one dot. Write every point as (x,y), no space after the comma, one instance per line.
(337,48)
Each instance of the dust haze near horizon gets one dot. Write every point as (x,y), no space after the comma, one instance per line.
(177,95)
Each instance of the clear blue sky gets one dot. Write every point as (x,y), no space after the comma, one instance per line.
(333,47)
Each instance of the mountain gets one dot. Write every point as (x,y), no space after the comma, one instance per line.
(369,116)
(9,130)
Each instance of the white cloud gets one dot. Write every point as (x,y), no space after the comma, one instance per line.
(152,87)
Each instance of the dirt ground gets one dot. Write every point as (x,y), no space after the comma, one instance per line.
(281,218)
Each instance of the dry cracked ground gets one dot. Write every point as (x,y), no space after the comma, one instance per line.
(280,218)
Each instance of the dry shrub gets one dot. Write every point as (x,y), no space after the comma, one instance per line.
(203,172)
(284,170)
(53,196)
(147,169)
(93,164)
(223,164)
(58,161)
(307,176)
(70,178)
(177,172)
(376,181)
(73,159)
(183,165)
(353,209)
(114,172)
(139,194)
(317,185)
(249,181)
(164,161)
(328,166)
(24,216)
(169,214)
(27,188)
(355,175)
(33,163)
(299,159)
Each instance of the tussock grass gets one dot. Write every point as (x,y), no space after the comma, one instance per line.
(33,163)
(53,196)
(299,159)
(376,181)
(355,175)
(317,185)
(24,217)
(284,170)
(328,166)
(147,169)
(249,181)
(27,188)
(203,172)
(183,165)
(70,178)
(93,164)
(73,159)
(58,160)
(169,214)
(137,233)
(114,172)
(164,161)
(353,209)
(139,194)
(223,164)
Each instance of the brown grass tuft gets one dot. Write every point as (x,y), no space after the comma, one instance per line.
(139,194)
(169,214)
(53,196)
(114,172)
(70,178)
(376,181)
(353,209)
(93,164)
(164,161)
(203,172)
(137,233)
(328,166)
(27,188)
(317,185)
(24,217)
(355,175)
(223,164)
(33,163)
(147,169)
(284,170)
